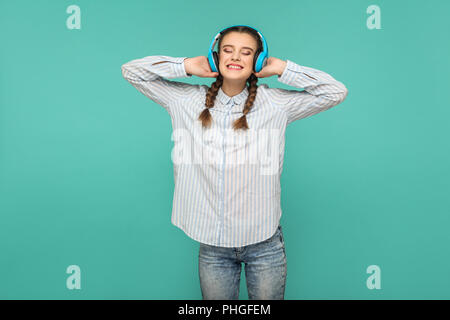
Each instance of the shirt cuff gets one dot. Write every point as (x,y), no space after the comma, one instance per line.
(179,68)
(290,72)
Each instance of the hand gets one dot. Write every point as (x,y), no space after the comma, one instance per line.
(199,66)
(273,67)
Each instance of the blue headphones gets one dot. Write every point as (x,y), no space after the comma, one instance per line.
(260,58)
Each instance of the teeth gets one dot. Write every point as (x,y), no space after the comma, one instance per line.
(234,67)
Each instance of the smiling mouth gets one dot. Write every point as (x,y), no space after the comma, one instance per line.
(233,67)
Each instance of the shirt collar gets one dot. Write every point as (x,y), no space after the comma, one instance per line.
(236,99)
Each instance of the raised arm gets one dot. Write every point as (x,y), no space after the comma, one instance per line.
(147,75)
(321,92)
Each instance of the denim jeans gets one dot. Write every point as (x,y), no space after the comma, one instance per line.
(265,270)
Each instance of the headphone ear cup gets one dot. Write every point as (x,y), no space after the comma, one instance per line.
(216,61)
(255,59)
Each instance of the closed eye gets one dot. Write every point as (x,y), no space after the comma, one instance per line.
(246,53)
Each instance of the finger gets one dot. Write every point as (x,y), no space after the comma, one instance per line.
(210,75)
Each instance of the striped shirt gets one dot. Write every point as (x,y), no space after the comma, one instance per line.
(227,182)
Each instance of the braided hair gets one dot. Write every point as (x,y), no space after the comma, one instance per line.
(240,123)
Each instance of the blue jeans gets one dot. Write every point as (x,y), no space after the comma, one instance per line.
(265,270)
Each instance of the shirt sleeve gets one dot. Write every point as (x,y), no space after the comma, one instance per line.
(321,92)
(149,75)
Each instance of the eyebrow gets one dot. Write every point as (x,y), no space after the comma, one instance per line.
(230,45)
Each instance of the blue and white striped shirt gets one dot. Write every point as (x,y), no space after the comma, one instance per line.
(227,182)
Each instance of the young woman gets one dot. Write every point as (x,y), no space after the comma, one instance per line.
(227,189)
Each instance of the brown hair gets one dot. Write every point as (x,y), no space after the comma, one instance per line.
(240,123)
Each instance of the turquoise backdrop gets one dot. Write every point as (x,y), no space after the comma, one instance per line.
(86,176)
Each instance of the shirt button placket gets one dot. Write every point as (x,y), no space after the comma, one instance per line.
(221,177)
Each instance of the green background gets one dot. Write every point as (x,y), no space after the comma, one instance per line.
(86,176)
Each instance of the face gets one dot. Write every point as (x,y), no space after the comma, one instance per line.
(238,49)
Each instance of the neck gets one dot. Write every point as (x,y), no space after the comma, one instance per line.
(233,87)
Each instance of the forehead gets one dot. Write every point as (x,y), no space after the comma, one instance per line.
(238,39)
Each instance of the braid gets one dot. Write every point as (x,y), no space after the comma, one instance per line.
(241,123)
(205,116)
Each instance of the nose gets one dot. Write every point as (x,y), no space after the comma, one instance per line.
(236,56)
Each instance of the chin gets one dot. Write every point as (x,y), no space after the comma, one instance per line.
(235,75)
